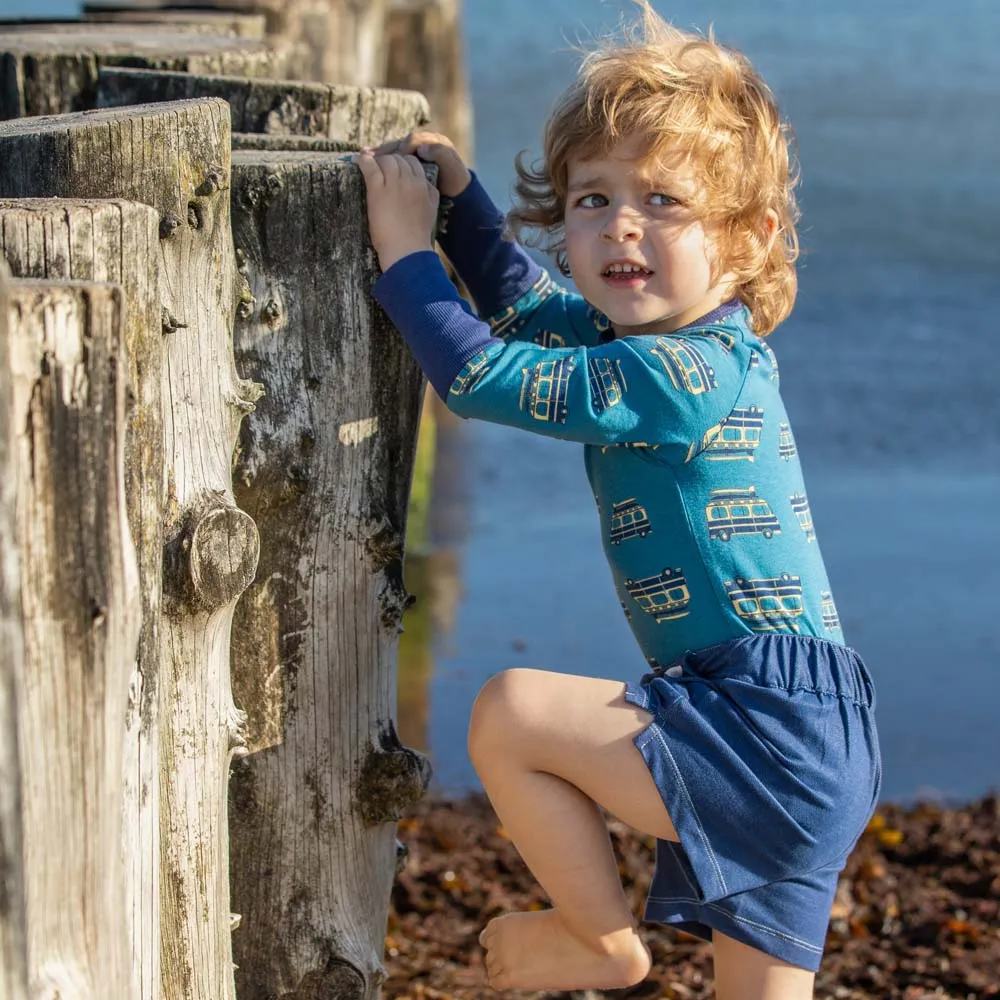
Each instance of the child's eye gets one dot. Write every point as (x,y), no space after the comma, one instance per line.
(662,200)
(592,201)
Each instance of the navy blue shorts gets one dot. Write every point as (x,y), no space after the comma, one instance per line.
(765,752)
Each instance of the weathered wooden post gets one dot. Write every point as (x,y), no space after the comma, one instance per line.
(324,467)
(48,71)
(80,606)
(358,115)
(118,241)
(13,944)
(176,157)
(336,41)
(426,53)
(196,19)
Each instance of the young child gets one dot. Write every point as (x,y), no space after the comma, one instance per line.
(749,750)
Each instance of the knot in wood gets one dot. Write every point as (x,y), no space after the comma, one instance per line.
(338,981)
(169,322)
(213,559)
(392,779)
(384,545)
(213,182)
(169,224)
(274,183)
(225,547)
(244,310)
(271,312)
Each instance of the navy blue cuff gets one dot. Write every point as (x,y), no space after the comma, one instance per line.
(433,318)
(496,271)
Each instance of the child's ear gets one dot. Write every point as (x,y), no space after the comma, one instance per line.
(771,227)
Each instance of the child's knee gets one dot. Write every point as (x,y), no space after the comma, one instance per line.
(500,710)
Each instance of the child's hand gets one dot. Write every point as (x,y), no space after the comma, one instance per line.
(453,174)
(402,206)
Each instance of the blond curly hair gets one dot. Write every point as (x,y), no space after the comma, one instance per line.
(691,100)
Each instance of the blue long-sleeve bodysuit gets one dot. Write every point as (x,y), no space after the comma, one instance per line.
(703,511)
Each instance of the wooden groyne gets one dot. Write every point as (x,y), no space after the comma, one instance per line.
(208,440)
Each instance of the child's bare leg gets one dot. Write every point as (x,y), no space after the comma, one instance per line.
(548,747)
(744,973)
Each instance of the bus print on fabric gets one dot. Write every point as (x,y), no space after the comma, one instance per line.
(664,596)
(544,389)
(768,604)
(514,317)
(786,443)
(685,365)
(739,512)
(628,520)
(469,377)
(800,507)
(607,383)
(737,437)
(831,620)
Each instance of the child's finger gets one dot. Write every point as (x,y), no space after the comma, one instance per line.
(413,166)
(389,165)
(369,169)
(385,148)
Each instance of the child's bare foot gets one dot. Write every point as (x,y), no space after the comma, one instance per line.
(536,951)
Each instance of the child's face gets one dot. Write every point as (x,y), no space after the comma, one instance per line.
(618,211)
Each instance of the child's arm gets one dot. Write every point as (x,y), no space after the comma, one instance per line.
(669,392)
(518,299)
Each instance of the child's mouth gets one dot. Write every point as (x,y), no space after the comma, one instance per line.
(626,275)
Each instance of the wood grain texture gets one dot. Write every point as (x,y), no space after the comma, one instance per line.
(13,943)
(334,41)
(324,467)
(201,21)
(356,115)
(50,71)
(80,603)
(175,157)
(118,241)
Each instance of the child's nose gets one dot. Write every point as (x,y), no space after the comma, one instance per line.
(622,224)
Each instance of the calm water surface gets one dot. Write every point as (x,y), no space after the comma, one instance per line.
(888,372)
(888,369)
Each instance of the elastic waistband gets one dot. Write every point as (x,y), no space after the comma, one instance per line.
(802,662)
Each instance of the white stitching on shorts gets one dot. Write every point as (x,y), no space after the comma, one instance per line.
(642,691)
(694,812)
(743,920)
(770,930)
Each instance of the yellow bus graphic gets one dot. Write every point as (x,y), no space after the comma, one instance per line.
(664,596)
(727,340)
(600,322)
(786,443)
(628,520)
(769,604)
(514,317)
(828,609)
(800,507)
(471,374)
(739,512)
(545,387)
(686,367)
(734,438)
(549,338)
(607,383)
(772,361)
